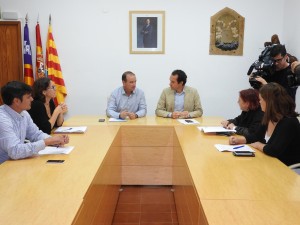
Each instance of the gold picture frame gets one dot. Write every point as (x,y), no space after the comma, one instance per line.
(147,32)
(226,33)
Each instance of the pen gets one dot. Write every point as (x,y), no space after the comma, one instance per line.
(241,146)
(66,129)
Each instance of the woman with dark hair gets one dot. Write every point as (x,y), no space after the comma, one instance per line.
(279,133)
(250,118)
(43,111)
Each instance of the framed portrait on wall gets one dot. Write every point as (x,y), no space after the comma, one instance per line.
(147,32)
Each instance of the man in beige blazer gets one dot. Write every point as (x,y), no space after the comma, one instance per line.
(179,101)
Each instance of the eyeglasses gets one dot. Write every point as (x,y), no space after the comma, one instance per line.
(52,87)
(278,60)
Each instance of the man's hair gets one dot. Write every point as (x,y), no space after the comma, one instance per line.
(124,78)
(14,89)
(181,76)
(278,49)
(278,103)
(39,86)
(250,95)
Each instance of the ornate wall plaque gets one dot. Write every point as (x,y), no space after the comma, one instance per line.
(226,33)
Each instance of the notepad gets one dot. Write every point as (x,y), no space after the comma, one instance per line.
(218,129)
(51,150)
(78,130)
(233,148)
(116,120)
(188,121)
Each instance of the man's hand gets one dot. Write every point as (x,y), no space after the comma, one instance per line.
(184,114)
(132,116)
(57,140)
(124,114)
(294,65)
(175,115)
(261,80)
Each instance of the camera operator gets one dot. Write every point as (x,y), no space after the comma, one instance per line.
(282,70)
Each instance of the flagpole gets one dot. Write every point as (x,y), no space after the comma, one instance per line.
(49,19)
(26,18)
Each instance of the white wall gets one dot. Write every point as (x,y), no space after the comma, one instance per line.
(291,31)
(92,38)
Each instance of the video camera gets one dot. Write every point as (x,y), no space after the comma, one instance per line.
(264,67)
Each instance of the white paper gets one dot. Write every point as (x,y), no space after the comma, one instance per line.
(188,121)
(233,148)
(215,129)
(116,120)
(81,129)
(50,150)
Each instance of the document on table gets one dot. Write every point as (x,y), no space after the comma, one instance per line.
(233,148)
(78,130)
(51,150)
(218,129)
(188,121)
(116,120)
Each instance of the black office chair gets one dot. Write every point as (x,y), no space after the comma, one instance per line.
(295,167)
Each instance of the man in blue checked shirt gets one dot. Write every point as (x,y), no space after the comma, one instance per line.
(127,101)
(16,125)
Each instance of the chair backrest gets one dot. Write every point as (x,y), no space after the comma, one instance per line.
(295,167)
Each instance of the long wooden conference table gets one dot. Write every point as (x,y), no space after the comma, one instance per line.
(210,187)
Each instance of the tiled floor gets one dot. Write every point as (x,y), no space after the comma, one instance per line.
(146,205)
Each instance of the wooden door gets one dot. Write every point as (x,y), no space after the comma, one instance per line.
(11,64)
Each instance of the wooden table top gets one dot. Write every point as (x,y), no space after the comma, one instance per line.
(33,192)
(232,190)
(220,175)
(82,120)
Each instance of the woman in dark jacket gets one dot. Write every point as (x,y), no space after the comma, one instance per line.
(279,133)
(250,118)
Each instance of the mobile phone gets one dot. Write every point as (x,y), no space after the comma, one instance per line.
(227,134)
(101,120)
(243,153)
(188,121)
(55,161)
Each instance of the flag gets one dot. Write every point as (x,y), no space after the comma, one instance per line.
(40,70)
(53,68)
(28,71)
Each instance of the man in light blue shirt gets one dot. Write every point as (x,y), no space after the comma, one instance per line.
(16,125)
(127,101)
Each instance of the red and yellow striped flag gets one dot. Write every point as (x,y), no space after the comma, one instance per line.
(28,72)
(53,68)
(40,69)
